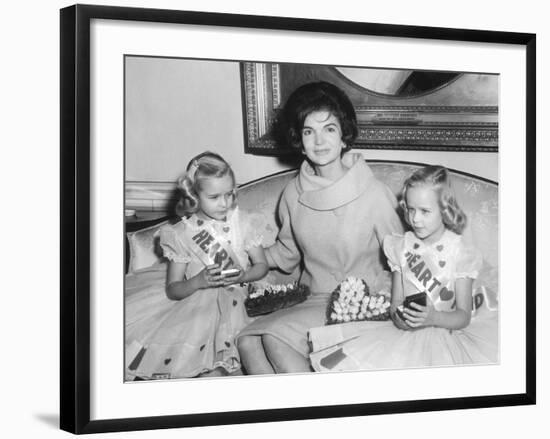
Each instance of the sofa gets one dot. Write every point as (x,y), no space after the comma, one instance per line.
(477,196)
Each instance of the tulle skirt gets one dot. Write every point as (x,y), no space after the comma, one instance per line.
(176,339)
(381,345)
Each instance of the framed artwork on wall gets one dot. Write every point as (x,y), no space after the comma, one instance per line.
(396,108)
(425,107)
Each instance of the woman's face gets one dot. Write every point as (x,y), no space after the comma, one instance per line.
(322,138)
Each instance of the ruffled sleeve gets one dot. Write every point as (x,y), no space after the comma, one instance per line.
(393,245)
(254,230)
(469,261)
(172,246)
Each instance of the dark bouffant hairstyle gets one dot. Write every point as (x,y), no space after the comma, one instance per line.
(453,216)
(205,165)
(318,96)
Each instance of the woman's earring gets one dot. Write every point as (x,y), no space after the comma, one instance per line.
(343,148)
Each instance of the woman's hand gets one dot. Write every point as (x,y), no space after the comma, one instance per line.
(417,316)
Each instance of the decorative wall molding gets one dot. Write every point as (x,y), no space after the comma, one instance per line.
(150,196)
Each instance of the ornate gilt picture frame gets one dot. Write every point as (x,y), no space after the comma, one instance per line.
(458,113)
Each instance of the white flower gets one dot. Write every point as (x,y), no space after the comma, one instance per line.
(354,302)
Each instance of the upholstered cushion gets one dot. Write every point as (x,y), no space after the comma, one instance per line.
(144,247)
(478,198)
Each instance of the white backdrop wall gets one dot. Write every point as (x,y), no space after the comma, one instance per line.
(177,108)
(30,193)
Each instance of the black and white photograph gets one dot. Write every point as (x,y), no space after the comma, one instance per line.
(267,234)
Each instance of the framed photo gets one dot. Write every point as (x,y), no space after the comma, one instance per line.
(121,124)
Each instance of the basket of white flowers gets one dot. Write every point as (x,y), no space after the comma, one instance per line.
(352,301)
(266,298)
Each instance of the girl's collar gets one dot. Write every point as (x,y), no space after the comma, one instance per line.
(198,221)
(447,237)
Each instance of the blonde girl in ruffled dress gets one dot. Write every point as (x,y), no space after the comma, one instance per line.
(432,258)
(188,327)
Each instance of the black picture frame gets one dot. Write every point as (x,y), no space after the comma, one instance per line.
(75,213)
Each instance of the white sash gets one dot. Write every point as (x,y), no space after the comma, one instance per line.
(210,247)
(423,272)
(482,298)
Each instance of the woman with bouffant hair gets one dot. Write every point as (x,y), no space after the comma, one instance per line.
(319,96)
(334,216)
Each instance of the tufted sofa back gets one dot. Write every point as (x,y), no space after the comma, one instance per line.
(477,197)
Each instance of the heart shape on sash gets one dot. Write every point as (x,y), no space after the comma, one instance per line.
(167,360)
(442,263)
(226,229)
(416,245)
(439,247)
(446,294)
(200,222)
